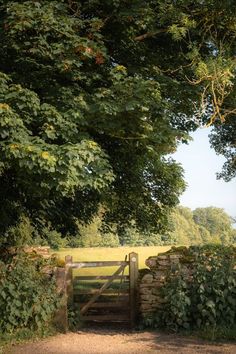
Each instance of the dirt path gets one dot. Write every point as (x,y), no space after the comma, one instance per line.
(102,341)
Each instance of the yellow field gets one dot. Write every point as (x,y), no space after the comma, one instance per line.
(108,254)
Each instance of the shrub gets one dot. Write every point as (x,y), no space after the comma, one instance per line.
(214,287)
(53,238)
(206,299)
(26,233)
(27,295)
(74,241)
(177,309)
(19,235)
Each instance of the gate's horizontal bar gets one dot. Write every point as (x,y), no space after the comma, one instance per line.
(112,318)
(91,277)
(110,305)
(95,291)
(96,264)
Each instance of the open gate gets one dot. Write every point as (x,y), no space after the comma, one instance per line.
(106,298)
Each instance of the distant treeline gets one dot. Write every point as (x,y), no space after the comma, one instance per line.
(200,226)
(186,227)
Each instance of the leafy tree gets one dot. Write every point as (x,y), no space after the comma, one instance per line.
(223,140)
(132,237)
(95,95)
(91,235)
(217,222)
(184,229)
(205,235)
(200,226)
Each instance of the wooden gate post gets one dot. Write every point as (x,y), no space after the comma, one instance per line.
(64,282)
(69,279)
(133,275)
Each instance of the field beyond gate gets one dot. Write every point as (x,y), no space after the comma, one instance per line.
(106,298)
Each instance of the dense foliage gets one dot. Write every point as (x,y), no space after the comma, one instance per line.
(28,297)
(201,226)
(185,227)
(205,300)
(223,139)
(95,95)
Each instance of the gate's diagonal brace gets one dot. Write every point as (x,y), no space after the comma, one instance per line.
(105,285)
(121,280)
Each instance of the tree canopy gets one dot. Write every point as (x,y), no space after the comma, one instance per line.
(95,96)
(223,140)
(217,222)
(201,226)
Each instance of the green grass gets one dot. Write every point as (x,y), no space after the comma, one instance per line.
(111,254)
(108,254)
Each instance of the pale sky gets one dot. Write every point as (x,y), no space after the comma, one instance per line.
(201,164)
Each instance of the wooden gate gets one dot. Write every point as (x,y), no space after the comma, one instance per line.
(106,298)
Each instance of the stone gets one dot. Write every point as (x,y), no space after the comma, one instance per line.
(153,298)
(145,307)
(157,305)
(175,256)
(146,285)
(145,291)
(160,300)
(163,262)
(156,291)
(145,297)
(147,278)
(157,284)
(162,257)
(151,262)
(149,310)
(163,268)
(159,274)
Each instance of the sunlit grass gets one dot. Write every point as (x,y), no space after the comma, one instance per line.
(105,254)
(108,254)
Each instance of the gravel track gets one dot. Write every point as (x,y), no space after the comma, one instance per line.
(104,341)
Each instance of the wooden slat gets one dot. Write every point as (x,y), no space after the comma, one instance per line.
(107,298)
(76,265)
(97,277)
(111,318)
(109,305)
(101,290)
(96,291)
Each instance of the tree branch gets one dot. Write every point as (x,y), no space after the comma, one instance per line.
(149,35)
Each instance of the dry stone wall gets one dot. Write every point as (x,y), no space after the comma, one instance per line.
(160,268)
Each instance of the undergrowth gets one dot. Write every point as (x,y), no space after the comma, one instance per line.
(28,294)
(204,301)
